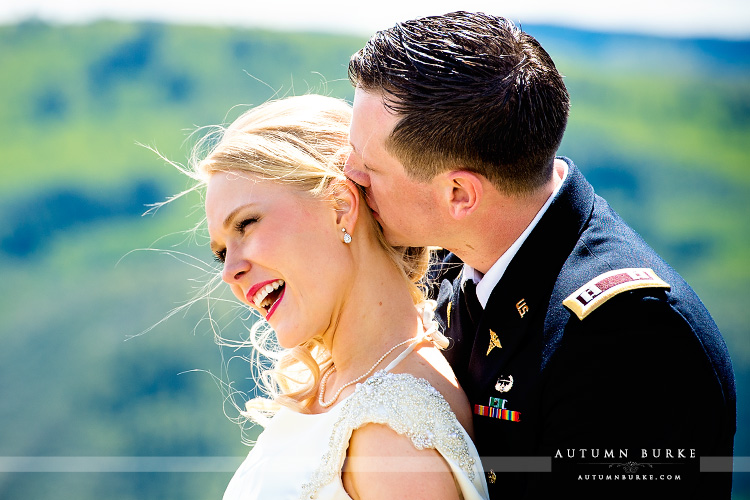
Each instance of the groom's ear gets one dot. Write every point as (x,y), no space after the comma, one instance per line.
(346,197)
(462,191)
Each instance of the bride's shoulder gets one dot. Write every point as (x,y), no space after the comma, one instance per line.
(395,421)
(403,424)
(429,364)
(385,464)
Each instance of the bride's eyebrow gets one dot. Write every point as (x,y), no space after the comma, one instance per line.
(234,213)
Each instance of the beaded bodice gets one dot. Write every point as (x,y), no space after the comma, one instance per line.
(408,405)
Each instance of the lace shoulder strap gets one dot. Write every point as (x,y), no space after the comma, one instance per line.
(408,405)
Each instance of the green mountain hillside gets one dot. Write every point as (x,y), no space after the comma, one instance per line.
(661,127)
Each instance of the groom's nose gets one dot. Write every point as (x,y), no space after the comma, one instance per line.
(354,170)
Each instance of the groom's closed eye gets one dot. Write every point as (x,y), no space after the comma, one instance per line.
(357,176)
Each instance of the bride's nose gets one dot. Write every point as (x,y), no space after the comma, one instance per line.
(234,268)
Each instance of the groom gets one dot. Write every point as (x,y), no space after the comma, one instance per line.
(591,366)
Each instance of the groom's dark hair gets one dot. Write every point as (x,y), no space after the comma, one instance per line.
(473,91)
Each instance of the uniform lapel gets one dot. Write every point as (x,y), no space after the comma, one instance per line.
(508,317)
(517,307)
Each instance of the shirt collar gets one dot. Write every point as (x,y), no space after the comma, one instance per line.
(486,283)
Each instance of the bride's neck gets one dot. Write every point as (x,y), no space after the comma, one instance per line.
(377,312)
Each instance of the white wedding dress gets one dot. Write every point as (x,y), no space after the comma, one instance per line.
(300,455)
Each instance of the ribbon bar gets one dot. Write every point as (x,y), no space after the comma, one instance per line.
(488,411)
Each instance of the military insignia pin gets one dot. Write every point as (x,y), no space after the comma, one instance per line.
(491,477)
(522,308)
(494,342)
(504,383)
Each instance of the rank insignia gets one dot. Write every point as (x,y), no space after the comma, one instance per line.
(448,315)
(605,286)
(494,342)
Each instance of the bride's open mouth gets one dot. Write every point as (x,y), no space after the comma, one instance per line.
(267,296)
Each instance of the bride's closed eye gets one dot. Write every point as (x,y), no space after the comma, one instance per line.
(242,224)
(220,256)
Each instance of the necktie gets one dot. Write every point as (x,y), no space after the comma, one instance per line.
(472,302)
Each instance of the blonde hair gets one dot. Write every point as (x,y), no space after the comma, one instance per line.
(301,141)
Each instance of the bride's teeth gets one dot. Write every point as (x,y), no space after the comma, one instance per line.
(261,299)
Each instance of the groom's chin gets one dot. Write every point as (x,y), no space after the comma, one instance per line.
(394,239)
(390,237)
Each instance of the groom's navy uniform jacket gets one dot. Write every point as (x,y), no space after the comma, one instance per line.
(594,368)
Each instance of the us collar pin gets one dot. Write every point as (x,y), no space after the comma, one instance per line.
(522,308)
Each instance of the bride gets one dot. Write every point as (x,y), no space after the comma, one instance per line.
(365,405)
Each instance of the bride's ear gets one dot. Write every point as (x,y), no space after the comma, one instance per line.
(346,198)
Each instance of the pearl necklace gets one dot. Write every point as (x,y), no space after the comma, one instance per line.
(332,369)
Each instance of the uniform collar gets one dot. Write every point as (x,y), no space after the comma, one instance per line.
(486,283)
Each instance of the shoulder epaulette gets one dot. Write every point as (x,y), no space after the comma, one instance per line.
(605,286)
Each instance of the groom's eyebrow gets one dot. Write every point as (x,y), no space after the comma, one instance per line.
(360,155)
(356,150)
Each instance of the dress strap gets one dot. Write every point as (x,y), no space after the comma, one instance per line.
(401,356)
(432,333)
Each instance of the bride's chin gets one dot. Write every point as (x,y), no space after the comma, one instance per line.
(285,338)
(287,345)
